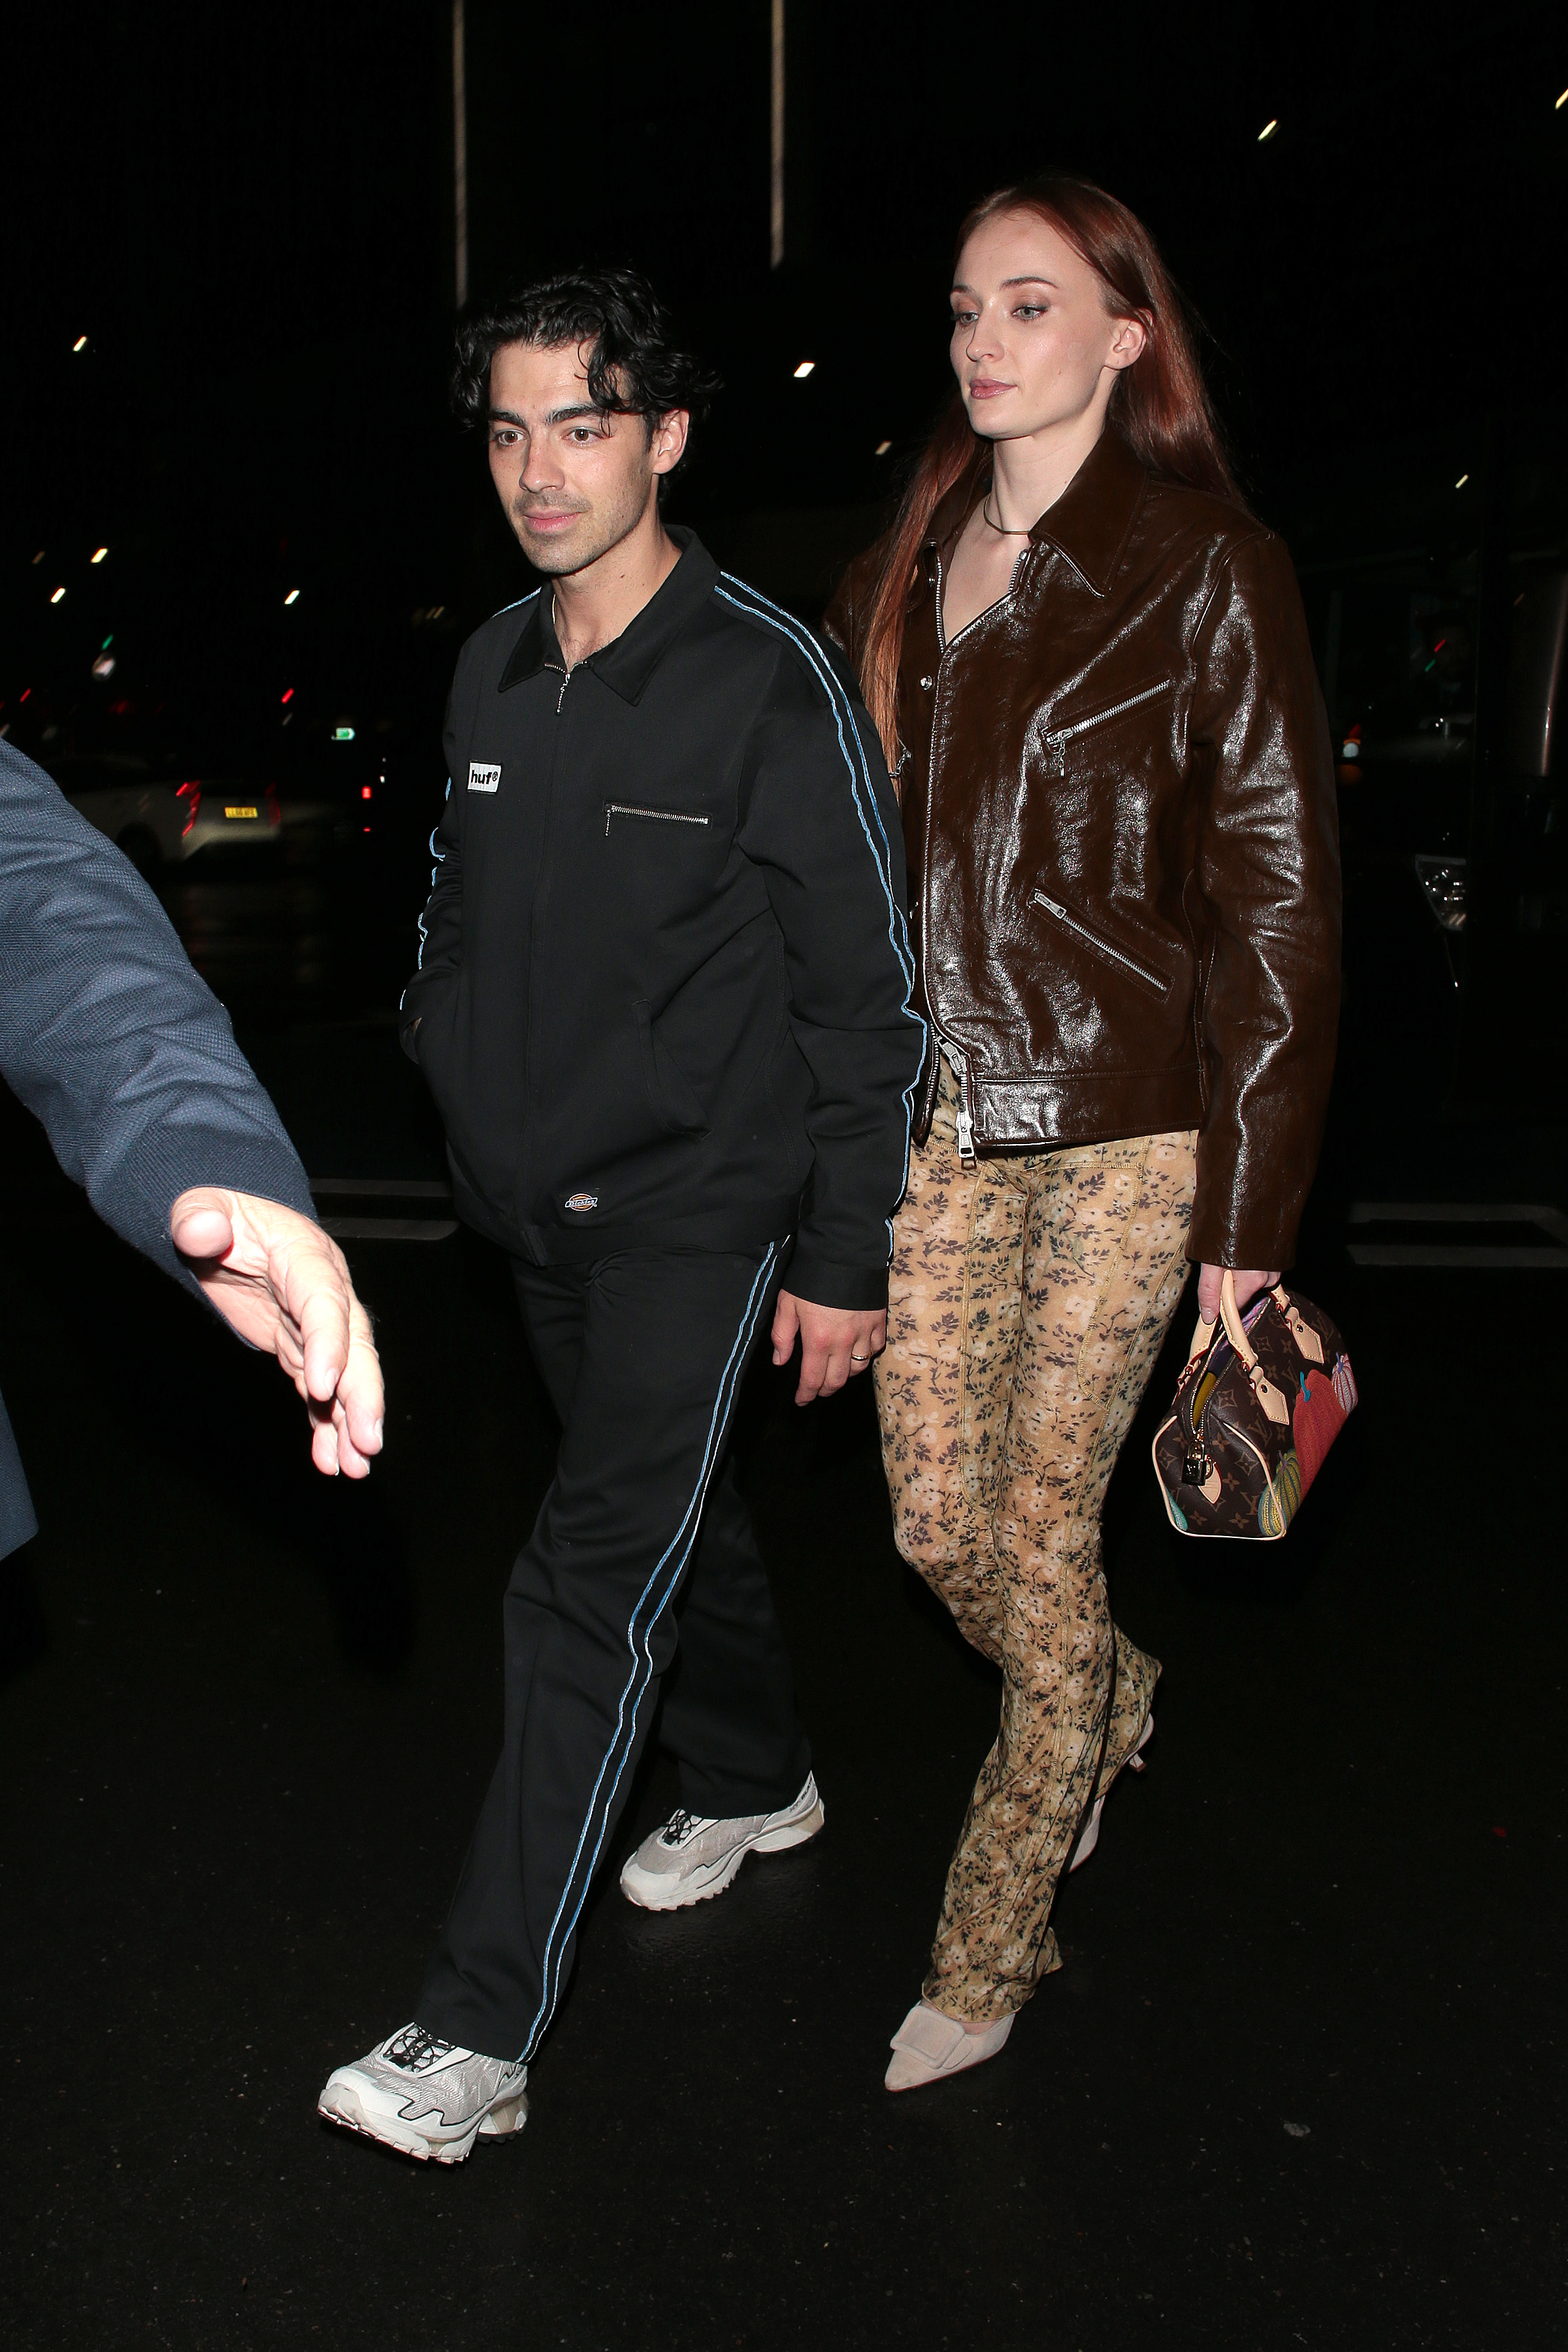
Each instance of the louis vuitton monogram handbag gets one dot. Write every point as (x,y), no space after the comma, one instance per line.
(1261,1399)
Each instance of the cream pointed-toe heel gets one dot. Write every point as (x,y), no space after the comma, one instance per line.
(1088,1836)
(927,2046)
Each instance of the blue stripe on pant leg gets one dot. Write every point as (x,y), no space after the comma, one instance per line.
(642,1667)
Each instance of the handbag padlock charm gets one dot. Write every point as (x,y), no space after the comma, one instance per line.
(1197,1468)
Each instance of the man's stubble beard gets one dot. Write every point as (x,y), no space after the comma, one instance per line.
(608,527)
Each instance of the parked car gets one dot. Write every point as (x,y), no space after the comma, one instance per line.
(159,818)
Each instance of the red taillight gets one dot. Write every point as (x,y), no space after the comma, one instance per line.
(364,792)
(191,793)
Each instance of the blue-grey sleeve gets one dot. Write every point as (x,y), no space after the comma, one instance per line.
(109,1036)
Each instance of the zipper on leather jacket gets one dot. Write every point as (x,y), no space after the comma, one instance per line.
(664,816)
(962,1119)
(1101,947)
(1056,736)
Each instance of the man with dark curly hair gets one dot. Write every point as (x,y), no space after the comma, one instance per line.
(663,1004)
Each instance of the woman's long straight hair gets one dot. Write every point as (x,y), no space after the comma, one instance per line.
(1160,406)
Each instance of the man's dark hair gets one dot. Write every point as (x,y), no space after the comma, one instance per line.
(634,366)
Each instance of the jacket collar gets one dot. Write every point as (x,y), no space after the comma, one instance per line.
(1089,523)
(628,661)
(950,514)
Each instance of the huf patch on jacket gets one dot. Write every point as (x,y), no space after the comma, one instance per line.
(482,779)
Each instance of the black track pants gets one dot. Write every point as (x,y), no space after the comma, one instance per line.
(643,1354)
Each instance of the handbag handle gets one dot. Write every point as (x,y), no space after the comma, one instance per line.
(1230,1316)
(1272,1400)
(1235,1330)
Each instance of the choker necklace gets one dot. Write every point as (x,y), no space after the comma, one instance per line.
(1002,533)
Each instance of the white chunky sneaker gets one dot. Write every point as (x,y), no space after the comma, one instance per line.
(1088,1836)
(691,1858)
(428,2097)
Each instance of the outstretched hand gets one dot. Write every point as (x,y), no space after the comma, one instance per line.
(283,1285)
(836,1342)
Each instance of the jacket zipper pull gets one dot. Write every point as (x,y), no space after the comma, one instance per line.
(961,1121)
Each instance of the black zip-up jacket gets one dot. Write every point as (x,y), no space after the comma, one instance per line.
(664,986)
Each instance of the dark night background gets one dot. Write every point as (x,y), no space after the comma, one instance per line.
(249,214)
(1300,2079)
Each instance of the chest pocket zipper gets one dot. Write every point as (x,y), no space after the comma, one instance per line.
(664,816)
(1101,947)
(1059,737)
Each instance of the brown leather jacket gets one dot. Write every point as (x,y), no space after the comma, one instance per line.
(1122,839)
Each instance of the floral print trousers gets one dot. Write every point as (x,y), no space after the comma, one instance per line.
(1030,1296)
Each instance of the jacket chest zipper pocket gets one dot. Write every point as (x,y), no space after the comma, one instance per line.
(1101,947)
(1059,737)
(660,816)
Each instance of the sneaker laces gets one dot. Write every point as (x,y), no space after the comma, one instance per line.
(679,1826)
(414,2050)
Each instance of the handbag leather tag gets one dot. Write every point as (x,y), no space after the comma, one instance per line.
(1306,1338)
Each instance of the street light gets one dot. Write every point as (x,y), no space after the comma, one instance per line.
(804,369)
(292,597)
(1268,130)
(99,554)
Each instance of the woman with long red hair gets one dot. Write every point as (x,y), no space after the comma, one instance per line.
(1089,669)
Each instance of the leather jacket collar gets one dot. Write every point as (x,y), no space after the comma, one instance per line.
(1089,522)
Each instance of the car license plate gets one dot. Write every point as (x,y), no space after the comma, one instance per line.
(240,812)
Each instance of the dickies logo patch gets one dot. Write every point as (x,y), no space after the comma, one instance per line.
(482,779)
(581,1201)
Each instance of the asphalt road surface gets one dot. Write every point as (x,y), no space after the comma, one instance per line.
(1299,2083)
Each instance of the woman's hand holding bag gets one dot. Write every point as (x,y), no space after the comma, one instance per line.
(1263,1396)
